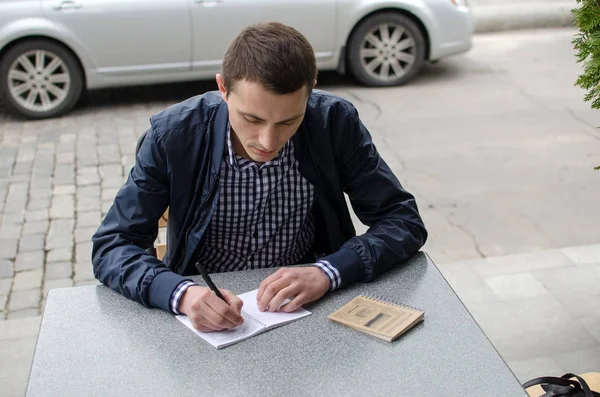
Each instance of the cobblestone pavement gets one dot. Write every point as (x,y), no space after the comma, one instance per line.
(57,180)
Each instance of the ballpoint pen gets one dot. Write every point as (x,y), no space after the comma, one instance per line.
(208,281)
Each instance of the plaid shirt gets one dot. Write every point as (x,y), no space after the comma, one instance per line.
(263,218)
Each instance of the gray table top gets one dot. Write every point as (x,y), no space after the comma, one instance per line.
(94,342)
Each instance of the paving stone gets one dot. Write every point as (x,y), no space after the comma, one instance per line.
(84,234)
(516,286)
(65,158)
(113,182)
(109,194)
(28,279)
(36,215)
(86,159)
(14,376)
(8,231)
(62,207)
(580,361)
(64,190)
(67,137)
(520,263)
(531,327)
(84,271)
(6,269)
(87,219)
(33,228)
(22,168)
(13,218)
(32,243)
(88,191)
(64,174)
(65,147)
(60,234)
(111,170)
(41,192)
(584,255)
(8,248)
(29,260)
(109,157)
(592,324)
(83,252)
(21,314)
(26,299)
(5,285)
(39,204)
(81,283)
(535,368)
(59,255)
(87,176)
(24,178)
(58,270)
(19,329)
(3,300)
(59,283)
(40,187)
(88,204)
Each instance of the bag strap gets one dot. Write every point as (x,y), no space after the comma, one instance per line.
(586,388)
(565,385)
(552,380)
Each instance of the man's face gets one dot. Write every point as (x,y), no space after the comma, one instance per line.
(261,121)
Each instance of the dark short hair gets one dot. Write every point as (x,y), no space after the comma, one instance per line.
(275,55)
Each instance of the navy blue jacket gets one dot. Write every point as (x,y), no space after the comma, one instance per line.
(177,166)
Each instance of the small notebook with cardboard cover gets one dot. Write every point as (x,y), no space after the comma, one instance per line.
(377,317)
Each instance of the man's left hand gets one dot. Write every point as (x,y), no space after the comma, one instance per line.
(303,284)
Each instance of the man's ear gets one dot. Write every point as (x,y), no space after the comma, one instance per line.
(221,85)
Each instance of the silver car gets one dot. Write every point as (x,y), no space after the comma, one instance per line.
(51,50)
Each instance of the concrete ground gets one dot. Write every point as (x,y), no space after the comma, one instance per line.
(497,145)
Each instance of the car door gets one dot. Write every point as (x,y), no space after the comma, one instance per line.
(128,36)
(217,22)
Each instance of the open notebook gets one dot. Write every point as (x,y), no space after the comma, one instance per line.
(255,322)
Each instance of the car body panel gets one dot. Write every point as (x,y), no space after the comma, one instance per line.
(159,41)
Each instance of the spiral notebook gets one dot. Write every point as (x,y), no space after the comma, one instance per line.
(377,317)
(255,322)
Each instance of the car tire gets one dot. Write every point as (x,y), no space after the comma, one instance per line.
(39,79)
(386,43)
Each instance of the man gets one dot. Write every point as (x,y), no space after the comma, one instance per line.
(254,176)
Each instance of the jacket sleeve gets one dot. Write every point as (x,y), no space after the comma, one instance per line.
(396,231)
(119,253)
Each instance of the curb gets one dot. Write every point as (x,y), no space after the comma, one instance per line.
(497,18)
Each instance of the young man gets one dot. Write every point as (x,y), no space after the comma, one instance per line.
(254,176)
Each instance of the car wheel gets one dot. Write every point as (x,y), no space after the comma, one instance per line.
(387,49)
(39,79)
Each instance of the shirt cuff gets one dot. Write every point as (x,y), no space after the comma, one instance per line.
(178,293)
(335,280)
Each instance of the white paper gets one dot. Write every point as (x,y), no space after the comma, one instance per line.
(255,322)
(270,319)
(228,337)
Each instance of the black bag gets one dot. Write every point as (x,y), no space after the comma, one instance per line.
(563,386)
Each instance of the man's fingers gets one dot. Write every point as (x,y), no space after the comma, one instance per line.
(294,304)
(270,291)
(220,313)
(203,325)
(233,300)
(282,295)
(265,283)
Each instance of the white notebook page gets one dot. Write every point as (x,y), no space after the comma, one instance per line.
(267,318)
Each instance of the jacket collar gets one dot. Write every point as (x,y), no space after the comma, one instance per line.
(220,122)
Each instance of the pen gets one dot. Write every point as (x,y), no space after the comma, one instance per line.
(208,281)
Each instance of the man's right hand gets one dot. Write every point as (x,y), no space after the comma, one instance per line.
(207,312)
